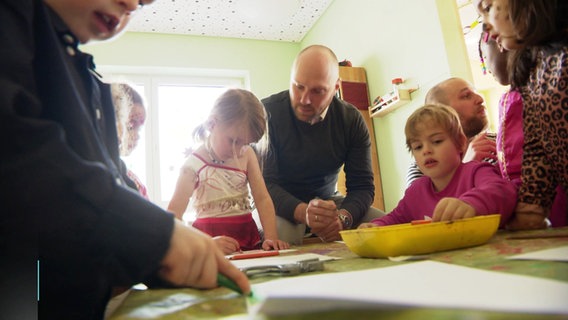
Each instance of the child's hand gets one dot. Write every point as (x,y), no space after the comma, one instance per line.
(365,225)
(452,209)
(528,217)
(275,244)
(194,260)
(226,244)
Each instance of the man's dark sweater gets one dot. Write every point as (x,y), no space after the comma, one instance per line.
(304,160)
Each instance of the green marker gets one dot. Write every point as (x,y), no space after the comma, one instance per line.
(223,281)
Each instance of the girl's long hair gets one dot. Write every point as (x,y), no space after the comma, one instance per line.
(239,107)
(539,24)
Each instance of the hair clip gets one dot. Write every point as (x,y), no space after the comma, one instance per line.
(474,23)
(485,37)
(483,67)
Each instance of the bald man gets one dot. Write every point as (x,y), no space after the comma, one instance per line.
(470,106)
(312,134)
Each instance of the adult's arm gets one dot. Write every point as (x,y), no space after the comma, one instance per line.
(413,174)
(284,202)
(358,171)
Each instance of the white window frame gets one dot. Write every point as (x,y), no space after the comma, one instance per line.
(151,78)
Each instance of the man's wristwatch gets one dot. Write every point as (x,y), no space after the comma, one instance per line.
(346,219)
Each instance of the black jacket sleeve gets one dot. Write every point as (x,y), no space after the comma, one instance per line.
(60,169)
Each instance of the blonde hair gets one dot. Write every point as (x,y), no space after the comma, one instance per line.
(122,104)
(124,97)
(238,107)
(120,101)
(440,116)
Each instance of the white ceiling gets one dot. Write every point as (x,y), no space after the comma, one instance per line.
(279,20)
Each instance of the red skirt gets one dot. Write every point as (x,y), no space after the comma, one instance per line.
(241,228)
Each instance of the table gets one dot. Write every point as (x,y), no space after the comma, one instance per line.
(220,303)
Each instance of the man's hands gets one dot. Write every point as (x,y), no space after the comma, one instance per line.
(193,259)
(322,217)
(269,244)
(481,147)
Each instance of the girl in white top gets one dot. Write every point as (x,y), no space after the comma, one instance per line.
(216,176)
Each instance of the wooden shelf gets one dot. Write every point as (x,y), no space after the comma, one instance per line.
(353,88)
(401,98)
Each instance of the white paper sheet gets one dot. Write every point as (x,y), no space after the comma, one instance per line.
(555,254)
(422,284)
(275,260)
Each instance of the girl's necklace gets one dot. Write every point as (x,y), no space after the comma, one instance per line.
(210,153)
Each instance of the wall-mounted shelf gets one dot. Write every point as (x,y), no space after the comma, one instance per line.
(391,103)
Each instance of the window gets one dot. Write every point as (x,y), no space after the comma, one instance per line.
(176,102)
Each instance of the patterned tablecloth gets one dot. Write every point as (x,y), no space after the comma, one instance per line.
(222,303)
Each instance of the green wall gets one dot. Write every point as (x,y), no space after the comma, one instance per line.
(418,40)
(268,62)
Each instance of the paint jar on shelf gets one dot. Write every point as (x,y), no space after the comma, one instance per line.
(397,84)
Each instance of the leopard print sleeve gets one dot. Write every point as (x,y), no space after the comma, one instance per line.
(545,121)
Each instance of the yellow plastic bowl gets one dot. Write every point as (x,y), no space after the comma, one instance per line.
(407,239)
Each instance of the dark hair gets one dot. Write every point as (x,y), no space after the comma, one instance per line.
(542,23)
(537,21)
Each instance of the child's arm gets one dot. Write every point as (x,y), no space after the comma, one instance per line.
(528,217)
(263,203)
(184,189)
(492,194)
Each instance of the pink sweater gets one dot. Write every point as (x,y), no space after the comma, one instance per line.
(510,136)
(510,152)
(477,183)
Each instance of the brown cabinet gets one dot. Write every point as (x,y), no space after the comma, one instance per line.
(354,90)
